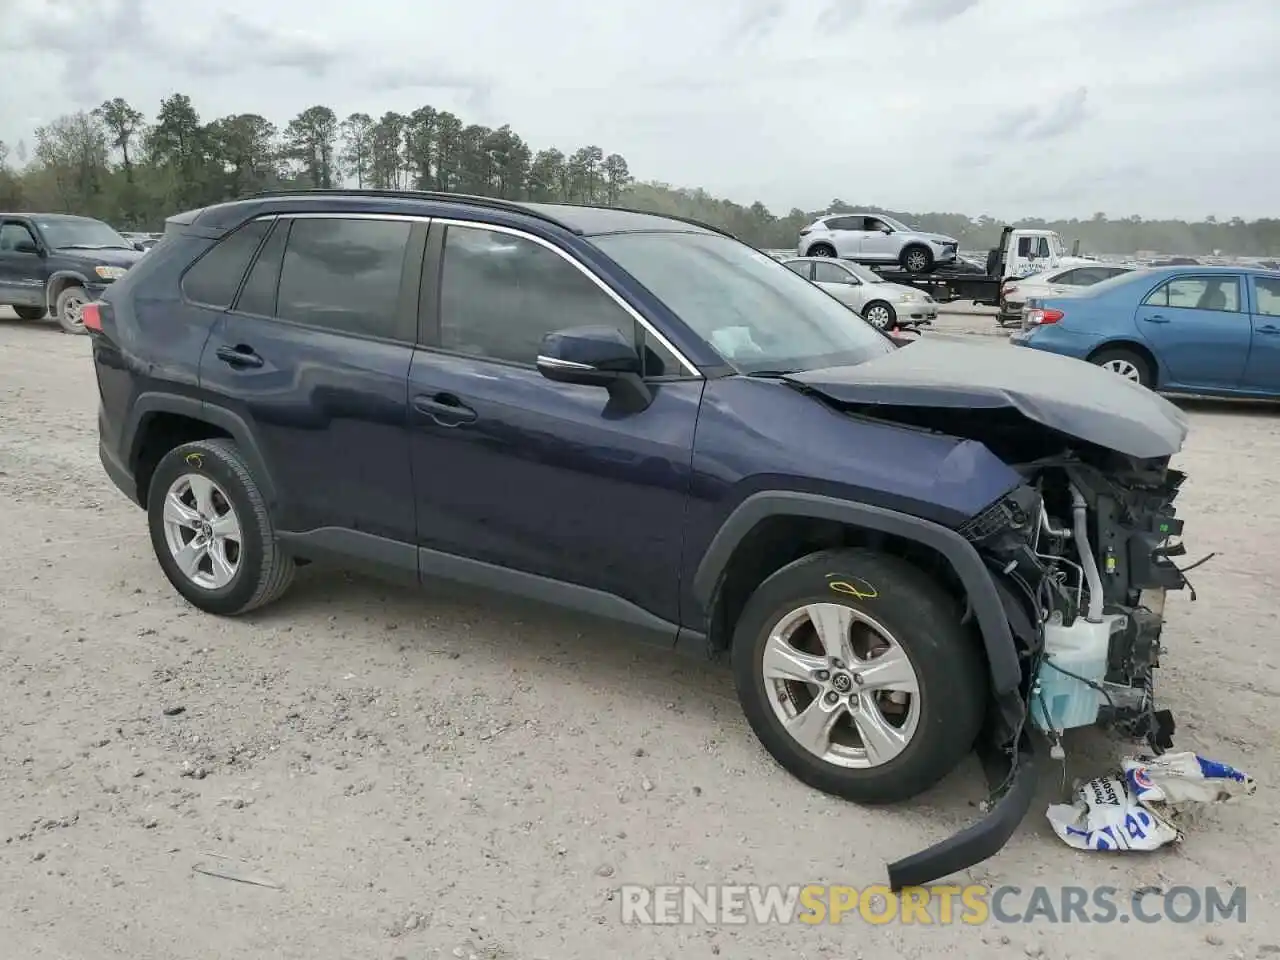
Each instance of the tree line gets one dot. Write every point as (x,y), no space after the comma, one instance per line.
(115,164)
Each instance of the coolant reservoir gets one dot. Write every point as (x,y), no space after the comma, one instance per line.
(1081,649)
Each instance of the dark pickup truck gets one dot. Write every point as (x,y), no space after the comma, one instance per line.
(55,263)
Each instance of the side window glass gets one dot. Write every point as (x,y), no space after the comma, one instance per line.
(259,293)
(1070,279)
(1159,297)
(14,234)
(1205,293)
(214,278)
(1268,291)
(845,223)
(830,273)
(1024,246)
(344,275)
(501,294)
(801,267)
(1044,247)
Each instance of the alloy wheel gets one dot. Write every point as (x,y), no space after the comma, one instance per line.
(841,685)
(202,531)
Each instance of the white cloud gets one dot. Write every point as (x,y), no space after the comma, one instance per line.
(1153,107)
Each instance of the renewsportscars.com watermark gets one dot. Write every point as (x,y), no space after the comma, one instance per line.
(937,904)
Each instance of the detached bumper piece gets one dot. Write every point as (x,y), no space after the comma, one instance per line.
(983,839)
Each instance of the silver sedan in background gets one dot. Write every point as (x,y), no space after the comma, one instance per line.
(882,304)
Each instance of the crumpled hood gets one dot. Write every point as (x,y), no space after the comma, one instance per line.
(106,258)
(1068,395)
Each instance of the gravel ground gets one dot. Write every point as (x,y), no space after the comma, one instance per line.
(428,774)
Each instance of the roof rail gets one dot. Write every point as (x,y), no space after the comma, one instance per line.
(494,203)
(648,213)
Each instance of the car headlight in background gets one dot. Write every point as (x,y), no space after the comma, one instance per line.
(110,273)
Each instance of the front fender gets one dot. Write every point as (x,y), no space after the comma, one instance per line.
(58,281)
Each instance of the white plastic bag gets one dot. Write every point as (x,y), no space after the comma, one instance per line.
(1140,807)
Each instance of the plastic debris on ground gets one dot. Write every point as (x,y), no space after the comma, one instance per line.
(1147,804)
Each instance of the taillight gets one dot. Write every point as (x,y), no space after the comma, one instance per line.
(1008,289)
(1043,315)
(91,316)
(805,230)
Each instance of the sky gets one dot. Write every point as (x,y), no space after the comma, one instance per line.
(1057,108)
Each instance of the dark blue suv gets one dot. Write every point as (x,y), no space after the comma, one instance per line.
(904,551)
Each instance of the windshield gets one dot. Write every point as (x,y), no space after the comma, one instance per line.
(757,314)
(74,232)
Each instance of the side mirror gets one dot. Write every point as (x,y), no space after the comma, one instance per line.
(595,357)
(139,246)
(886,230)
(26,246)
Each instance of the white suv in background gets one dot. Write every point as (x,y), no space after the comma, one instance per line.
(874,238)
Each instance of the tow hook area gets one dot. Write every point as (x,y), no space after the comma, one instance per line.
(975,843)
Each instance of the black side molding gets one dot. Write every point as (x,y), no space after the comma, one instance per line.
(983,839)
(1002,654)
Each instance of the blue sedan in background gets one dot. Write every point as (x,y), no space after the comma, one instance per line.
(1180,329)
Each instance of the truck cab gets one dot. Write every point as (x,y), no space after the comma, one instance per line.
(1027,251)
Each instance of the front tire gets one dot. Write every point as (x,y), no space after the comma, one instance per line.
(855,673)
(69,310)
(916,259)
(880,315)
(822,250)
(211,530)
(1125,363)
(29,313)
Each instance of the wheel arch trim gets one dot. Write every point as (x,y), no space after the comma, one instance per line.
(149,404)
(997,636)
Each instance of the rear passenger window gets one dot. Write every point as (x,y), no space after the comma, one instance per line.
(216,276)
(344,275)
(501,294)
(259,293)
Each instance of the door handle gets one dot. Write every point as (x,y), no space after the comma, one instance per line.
(1271,329)
(445,409)
(239,356)
(1156,318)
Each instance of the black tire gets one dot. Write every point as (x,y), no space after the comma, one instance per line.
(916,259)
(30,313)
(67,309)
(264,571)
(1119,356)
(821,250)
(880,315)
(925,621)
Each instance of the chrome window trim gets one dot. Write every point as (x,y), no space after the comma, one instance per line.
(684,361)
(545,361)
(586,271)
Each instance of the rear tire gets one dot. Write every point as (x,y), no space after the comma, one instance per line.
(1126,363)
(70,308)
(185,533)
(916,259)
(860,593)
(822,250)
(30,313)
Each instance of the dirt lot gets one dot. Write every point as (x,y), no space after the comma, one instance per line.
(425,775)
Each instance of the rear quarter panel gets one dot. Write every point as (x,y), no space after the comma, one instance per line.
(151,340)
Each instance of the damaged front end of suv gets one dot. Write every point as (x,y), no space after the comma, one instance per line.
(1081,551)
